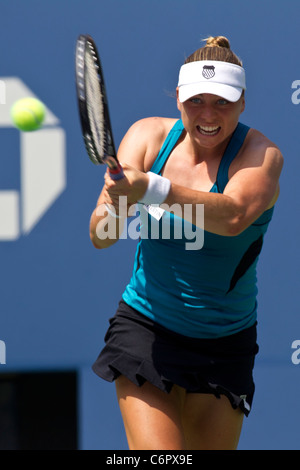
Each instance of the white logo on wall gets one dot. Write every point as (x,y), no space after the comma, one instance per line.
(42,166)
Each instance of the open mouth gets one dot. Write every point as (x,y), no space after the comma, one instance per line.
(208,130)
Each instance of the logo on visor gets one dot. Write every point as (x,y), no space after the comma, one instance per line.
(208,71)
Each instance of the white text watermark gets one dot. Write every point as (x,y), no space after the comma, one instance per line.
(187,223)
(296,94)
(296,353)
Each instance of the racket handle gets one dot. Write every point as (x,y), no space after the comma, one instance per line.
(116,173)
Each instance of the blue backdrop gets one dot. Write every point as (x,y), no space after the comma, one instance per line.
(57,292)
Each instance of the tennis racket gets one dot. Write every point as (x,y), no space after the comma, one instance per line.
(93,107)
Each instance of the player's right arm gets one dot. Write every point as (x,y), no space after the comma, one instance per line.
(138,149)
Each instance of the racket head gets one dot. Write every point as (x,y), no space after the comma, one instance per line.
(93,105)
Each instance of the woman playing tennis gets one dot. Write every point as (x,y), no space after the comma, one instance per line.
(182,344)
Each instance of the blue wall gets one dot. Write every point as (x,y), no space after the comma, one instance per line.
(57,292)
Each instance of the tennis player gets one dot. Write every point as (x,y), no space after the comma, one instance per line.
(182,344)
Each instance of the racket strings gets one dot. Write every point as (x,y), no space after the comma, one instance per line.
(94,101)
(80,69)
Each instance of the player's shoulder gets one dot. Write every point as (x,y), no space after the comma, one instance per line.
(143,140)
(154,127)
(146,136)
(260,146)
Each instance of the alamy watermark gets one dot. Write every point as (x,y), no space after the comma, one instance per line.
(187,224)
(2,92)
(296,354)
(2,352)
(296,94)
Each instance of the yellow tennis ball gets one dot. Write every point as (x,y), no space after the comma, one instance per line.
(28,114)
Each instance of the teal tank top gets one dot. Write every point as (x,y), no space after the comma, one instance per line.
(207,292)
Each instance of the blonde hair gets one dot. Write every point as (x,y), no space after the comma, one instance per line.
(216,48)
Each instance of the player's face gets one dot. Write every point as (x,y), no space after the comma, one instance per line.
(210,119)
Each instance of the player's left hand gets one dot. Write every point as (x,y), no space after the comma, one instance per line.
(133,185)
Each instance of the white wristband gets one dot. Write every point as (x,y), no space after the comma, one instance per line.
(157,190)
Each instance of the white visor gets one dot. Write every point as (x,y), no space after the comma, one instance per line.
(211,76)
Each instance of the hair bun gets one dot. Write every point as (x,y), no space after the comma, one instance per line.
(217,41)
(216,48)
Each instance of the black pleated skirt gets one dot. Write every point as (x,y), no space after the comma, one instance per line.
(142,350)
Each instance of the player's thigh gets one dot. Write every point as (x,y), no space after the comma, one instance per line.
(211,423)
(152,418)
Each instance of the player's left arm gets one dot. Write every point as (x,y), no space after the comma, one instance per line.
(253,187)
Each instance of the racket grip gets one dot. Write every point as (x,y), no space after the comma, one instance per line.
(116,173)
